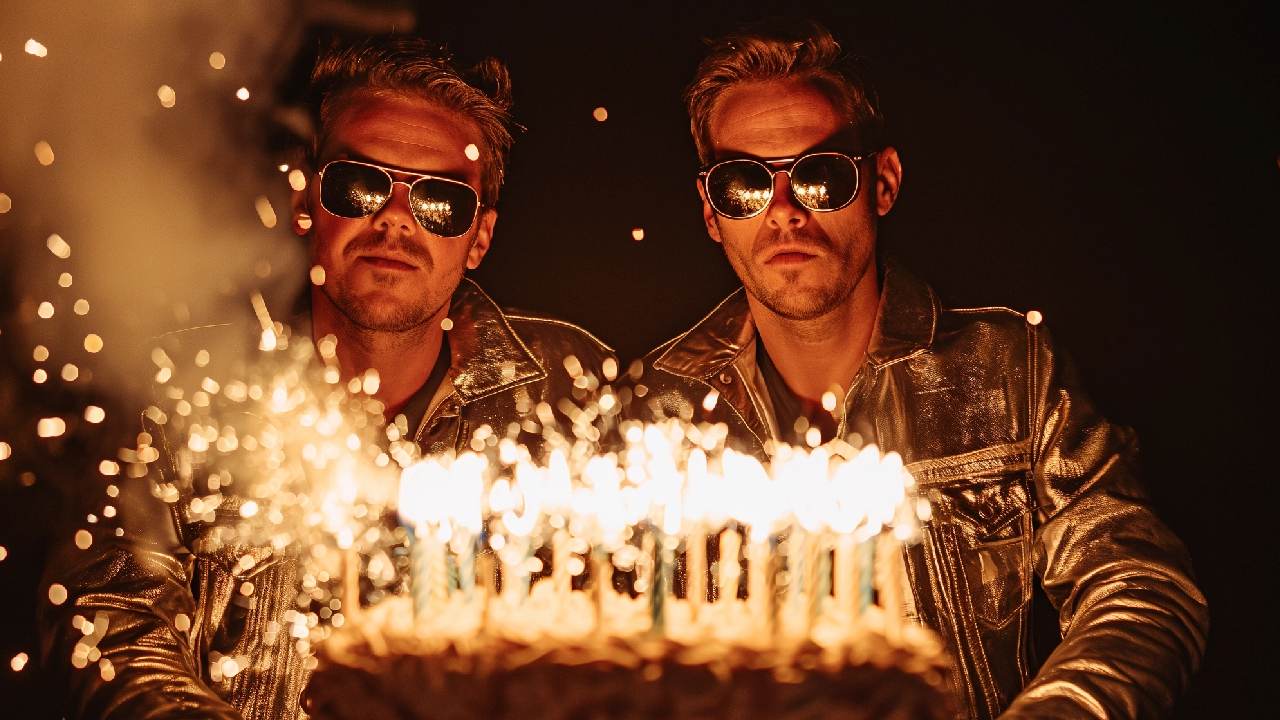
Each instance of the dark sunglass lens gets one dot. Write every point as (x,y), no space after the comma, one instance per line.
(351,190)
(824,182)
(739,188)
(444,208)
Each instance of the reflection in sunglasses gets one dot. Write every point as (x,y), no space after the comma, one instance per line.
(367,201)
(440,211)
(750,197)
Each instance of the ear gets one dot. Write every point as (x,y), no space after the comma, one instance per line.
(484,236)
(888,179)
(300,205)
(708,215)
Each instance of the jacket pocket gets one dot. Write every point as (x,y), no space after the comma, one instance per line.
(997,574)
(982,495)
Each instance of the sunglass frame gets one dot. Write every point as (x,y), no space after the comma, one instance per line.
(787,165)
(417,178)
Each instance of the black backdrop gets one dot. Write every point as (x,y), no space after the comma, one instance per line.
(1115,169)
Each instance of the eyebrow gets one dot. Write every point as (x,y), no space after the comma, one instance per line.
(843,140)
(344,153)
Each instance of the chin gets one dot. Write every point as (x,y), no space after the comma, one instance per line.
(384,311)
(806,303)
(400,320)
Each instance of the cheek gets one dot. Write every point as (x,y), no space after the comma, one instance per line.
(329,235)
(739,235)
(853,236)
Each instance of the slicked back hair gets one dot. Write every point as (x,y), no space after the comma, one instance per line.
(804,51)
(414,67)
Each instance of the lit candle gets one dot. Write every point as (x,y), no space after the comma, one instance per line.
(792,601)
(760,574)
(602,579)
(429,579)
(465,552)
(561,580)
(660,545)
(817,571)
(889,582)
(847,596)
(730,570)
(695,570)
(515,579)
(488,578)
(866,562)
(422,510)
(466,494)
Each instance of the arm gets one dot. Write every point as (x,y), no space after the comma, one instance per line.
(135,592)
(1133,621)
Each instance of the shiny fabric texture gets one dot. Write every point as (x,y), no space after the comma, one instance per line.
(167,591)
(1026,481)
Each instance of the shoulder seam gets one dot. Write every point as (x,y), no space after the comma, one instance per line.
(989,308)
(562,323)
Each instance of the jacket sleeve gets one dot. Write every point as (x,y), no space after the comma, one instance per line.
(130,655)
(1133,621)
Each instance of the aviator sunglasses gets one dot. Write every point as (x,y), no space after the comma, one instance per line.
(442,206)
(742,188)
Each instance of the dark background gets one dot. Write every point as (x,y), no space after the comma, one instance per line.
(1114,168)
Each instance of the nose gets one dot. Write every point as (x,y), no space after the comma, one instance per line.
(784,213)
(395,216)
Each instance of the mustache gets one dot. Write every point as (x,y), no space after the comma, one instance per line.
(385,241)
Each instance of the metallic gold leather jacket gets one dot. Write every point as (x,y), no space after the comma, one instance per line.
(159,599)
(1027,483)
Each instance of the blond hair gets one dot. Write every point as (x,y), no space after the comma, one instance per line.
(806,52)
(404,65)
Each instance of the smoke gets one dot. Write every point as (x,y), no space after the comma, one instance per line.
(127,136)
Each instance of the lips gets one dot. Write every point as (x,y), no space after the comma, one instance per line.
(387,263)
(790,255)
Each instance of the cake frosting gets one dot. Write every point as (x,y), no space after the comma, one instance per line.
(386,664)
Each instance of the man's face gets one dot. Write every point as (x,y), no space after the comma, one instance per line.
(386,272)
(798,264)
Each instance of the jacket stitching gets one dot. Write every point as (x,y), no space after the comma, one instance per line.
(755,404)
(974,637)
(986,309)
(553,321)
(947,599)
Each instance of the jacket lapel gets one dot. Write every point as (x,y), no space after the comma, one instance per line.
(488,355)
(709,353)
(715,350)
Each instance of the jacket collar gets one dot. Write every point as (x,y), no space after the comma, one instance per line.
(487,354)
(906,320)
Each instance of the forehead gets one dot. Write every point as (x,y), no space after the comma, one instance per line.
(778,118)
(402,132)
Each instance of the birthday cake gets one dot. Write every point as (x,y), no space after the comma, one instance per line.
(670,593)
(385,670)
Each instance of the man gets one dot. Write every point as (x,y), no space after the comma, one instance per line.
(406,169)
(1025,478)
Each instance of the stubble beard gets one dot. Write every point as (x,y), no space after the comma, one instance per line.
(373,316)
(395,316)
(801,303)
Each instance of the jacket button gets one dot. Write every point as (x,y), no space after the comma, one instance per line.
(726,378)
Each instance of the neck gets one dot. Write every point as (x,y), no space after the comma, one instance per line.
(402,359)
(820,354)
